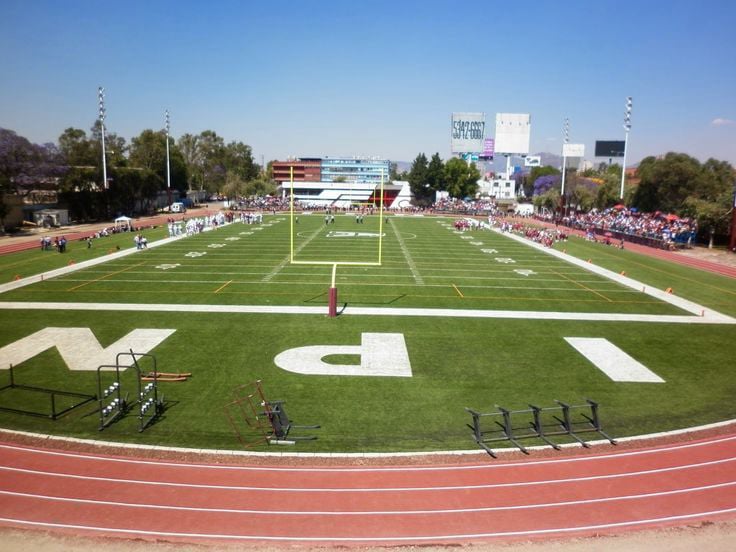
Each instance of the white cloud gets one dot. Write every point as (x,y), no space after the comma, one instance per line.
(722,122)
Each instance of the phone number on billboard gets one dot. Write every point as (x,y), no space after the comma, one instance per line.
(468,130)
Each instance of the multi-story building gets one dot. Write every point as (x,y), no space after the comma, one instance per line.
(305,170)
(355,169)
(340,181)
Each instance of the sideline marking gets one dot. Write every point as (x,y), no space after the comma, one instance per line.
(612,361)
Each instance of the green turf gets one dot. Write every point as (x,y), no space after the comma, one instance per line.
(456,362)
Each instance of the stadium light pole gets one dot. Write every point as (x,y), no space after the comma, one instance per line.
(627,128)
(732,244)
(168,164)
(566,131)
(101,99)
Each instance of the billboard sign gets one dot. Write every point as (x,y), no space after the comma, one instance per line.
(533,161)
(512,133)
(609,148)
(467,132)
(573,150)
(488,148)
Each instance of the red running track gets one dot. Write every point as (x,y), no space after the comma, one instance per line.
(607,492)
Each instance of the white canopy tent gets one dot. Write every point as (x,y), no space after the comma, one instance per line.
(123,223)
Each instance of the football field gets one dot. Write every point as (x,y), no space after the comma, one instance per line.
(449,319)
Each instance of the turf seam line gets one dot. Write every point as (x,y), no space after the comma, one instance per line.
(409,260)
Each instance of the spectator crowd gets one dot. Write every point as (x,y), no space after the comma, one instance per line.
(671,230)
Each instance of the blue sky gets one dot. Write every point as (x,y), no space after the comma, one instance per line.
(375,77)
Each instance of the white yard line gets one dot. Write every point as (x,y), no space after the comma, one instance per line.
(708,318)
(412,266)
(287,260)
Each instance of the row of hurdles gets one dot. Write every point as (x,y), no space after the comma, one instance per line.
(536,423)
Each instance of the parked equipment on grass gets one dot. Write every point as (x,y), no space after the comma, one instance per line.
(256,420)
(69,399)
(114,405)
(536,423)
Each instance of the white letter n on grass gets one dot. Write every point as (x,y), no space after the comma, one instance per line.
(381,354)
(612,361)
(79,347)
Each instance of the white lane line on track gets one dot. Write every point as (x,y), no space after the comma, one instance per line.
(368,489)
(349,469)
(432,538)
(371,512)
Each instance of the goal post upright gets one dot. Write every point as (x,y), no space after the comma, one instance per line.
(291,212)
(332,304)
(380,223)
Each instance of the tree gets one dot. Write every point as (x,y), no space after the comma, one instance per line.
(212,163)
(436,174)
(417,178)
(548,200)
(115,147)
(666,183)
(461,179)
(530,186)
(234,187)
(260,187)
(712,216)
(148,151)
(607,194)
(393,173)
(191,152)
(77,149)
(238,159)
(544,183)
(25,167)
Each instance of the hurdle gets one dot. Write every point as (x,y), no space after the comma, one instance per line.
(282,425)
(256,420)
(536,423)
(54,412)
(243,414)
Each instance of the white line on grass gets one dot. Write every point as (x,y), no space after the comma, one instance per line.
(709,317)
(414,271)
(679,302)
(287,260)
